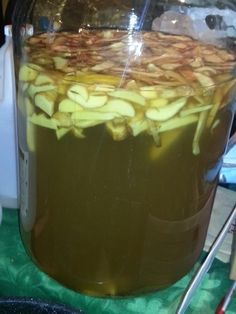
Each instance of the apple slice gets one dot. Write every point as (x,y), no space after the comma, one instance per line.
(60,63)
(93,115)
(120,107)
(138,126)
(186,112)
(130,96)
(28,72)
(30,136)
(46,101)
(78,132)
(42,120)
(166,112)
(118,131)
(198,133)
(106,65)
(204,80)
(78,94)
(104,88)
(177,122)
(33,89)
(149,94)
(62,132)
(64,119)
(67,105)
(96,100)
(158,102)
(43,79)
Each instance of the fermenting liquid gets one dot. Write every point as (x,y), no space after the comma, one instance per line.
(124,135)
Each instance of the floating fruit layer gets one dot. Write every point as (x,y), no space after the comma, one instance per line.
(133,83)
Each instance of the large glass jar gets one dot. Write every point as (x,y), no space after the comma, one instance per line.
(124,112)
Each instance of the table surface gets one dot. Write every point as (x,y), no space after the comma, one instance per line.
(20,277)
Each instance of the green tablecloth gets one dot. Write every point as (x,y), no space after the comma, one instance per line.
(20,277)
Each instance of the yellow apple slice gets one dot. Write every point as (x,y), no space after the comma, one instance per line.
(118,131)
(158,102)
(64,119)
(78,132)
(186,112)
(67,105)
(33,89)
(93,115)
(118,106)
(106,65)
(43,79)
(199,130)
(166,112)
(138,126)
(60,63)
(30,136)
(149,94)
(28,72)
(46,101)
(177,122)
(96,100)
(78,94)
(104,88)
(130,96)
(43,121)
(204,80)
(60,133)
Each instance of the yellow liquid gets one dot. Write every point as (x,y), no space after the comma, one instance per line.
(110,221)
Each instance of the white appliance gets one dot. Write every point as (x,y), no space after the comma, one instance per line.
(9,195)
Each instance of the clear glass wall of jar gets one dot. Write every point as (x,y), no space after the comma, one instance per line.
(124,112)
